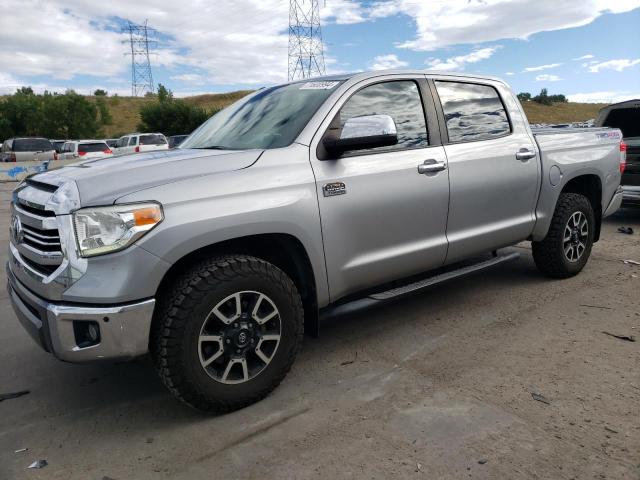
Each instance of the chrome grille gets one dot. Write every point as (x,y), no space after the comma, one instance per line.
(35,232)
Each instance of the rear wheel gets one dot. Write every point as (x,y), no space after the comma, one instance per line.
(228,333)
(565,250)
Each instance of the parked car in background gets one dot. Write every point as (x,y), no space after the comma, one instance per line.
(176,140)
(111,142)
(57,144)
(626,117)
(141,142)
(27,149)
(85,149)
(297,199)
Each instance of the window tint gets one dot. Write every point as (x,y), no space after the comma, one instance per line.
(122,141)
(472,112)
(401,101)
(154,139)
(32,145)
(133,141)
(92,147)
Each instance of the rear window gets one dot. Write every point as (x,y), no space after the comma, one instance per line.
(32,145)
(152,140)
(626,119)
(472,112)
(92,147)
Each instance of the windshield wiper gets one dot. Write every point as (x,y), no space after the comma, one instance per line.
(213,147)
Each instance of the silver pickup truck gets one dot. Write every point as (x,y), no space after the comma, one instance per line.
(297,201)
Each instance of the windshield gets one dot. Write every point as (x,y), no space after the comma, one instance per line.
(271,118)
(32,145)
(92,147)
(154,139)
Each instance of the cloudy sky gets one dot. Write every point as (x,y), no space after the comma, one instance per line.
(587,49)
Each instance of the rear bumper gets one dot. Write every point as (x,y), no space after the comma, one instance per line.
(631,195)
(614,204)
(123,329)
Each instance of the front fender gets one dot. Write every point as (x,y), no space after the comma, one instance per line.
(277,195)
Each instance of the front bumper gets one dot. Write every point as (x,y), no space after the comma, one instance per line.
(123,329)
(631,195)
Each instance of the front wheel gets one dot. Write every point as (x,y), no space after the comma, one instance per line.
(565,250)
(227,333)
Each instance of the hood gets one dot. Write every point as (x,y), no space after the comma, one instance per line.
(101,181)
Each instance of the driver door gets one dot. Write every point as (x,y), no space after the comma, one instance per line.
(382,218)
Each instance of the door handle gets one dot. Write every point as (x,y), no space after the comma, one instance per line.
(431,166)
(525,154)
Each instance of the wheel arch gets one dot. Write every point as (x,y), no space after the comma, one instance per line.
(590,186)
(281,249)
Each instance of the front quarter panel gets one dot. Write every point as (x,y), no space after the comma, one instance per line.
(275,195)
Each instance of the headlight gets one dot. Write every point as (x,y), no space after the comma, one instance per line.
(109,229)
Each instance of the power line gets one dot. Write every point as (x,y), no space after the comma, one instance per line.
(142,39)
(306,53)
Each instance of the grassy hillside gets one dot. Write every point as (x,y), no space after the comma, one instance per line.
(125,110)
(561,112)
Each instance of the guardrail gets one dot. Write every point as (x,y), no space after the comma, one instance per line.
(16,171)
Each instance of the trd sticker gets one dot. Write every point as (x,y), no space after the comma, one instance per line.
(333,189)
(604,136)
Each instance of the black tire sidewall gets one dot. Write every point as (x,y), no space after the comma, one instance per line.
(577,204)
(264,381)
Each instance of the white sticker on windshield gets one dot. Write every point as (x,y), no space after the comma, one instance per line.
(318,85)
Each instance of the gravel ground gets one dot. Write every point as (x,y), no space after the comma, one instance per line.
(438,385)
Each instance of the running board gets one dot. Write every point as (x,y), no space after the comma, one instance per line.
(444,277)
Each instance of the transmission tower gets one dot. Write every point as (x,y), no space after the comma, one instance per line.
(142,39)
(306,55)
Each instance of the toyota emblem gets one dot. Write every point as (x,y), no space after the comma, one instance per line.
(17,234)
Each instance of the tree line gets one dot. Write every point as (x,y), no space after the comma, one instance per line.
(51,115)
(70,115)
(543,98)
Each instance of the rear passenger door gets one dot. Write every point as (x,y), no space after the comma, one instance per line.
(494,172)
(383,218)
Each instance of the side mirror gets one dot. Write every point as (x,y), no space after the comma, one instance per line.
(363,133)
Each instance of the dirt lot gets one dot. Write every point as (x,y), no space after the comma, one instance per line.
(435,386)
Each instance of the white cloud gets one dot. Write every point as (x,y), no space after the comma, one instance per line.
(588,56)
(542,67)
(387,62)
(190,78)
(603,97)
(547,78)
(440,23)
(617,65)
(229,42)
(509,73)
(459,62)
(342,12)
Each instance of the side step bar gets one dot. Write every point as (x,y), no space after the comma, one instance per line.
(443,277)
(376,298)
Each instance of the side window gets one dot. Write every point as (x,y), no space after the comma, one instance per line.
(401,101)
(472,112)
(132,141)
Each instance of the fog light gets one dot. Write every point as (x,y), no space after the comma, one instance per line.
(87,333)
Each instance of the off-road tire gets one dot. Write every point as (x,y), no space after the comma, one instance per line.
(549,254)
(183,310)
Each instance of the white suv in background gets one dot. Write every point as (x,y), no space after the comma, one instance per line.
(140,142)
(85,150)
